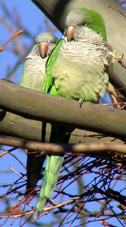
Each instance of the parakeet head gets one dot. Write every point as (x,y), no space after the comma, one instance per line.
(79,18)
(46,42)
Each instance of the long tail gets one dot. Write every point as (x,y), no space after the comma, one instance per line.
(34,166)
(53,164)
(52,169)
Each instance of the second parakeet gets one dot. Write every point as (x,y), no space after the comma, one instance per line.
(75,70)
(33,77)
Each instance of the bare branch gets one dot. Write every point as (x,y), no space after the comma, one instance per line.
(55,149)
(17,126)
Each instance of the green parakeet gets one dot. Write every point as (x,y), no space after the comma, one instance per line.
(33,77)
(76,69)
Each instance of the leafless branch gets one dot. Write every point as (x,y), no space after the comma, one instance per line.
(38,106)
(48,148)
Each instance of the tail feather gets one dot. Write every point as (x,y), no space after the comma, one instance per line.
(59,134)
(34,166)
(52,169)
(39,207)
(53,173)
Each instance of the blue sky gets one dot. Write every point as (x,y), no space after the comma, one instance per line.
(32,20)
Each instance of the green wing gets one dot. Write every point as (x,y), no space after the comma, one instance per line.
(49,80)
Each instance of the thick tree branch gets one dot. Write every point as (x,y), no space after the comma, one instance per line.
(44,107)
(14,125)
(111,11)
(56,149)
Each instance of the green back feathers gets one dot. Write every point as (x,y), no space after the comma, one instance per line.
(96,23)
(48,82)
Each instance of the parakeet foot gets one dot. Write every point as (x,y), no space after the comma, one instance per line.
(115,57)
(80,102)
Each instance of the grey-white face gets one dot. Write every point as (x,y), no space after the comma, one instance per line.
(75,18)
(45,43)
(79,19)
(46,37)
(76,21)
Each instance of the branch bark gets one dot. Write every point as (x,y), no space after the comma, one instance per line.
(38,106)
(57,10)
(17,126)
(56,149)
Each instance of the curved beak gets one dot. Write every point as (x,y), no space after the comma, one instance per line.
(43,49)
(70,33)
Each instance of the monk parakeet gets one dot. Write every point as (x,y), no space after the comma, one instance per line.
(33,77)
(76,69)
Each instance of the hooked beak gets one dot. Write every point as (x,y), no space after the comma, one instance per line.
(70,33)
(43,49)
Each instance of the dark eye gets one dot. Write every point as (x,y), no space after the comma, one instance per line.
(83,23)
